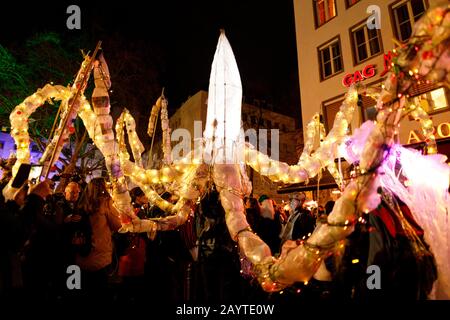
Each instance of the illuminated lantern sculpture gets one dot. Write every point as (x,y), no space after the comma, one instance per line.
(375,154)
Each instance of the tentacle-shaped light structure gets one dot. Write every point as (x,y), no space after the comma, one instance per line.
(167,148)
(309,163)
(19,125)
(161,107)
(299,263)
(197,184)
(194,177)
(69,110)
(153,118)
(137,148)
(19,118)
(98,123)
(144,178)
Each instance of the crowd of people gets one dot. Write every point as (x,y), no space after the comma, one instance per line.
(48,232)
(45,232)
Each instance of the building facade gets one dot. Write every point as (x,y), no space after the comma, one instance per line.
(253,117)
(337,48)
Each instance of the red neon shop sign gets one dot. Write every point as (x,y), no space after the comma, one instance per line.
(351,78)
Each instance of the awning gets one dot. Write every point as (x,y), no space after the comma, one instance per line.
(443,146)
(326,182)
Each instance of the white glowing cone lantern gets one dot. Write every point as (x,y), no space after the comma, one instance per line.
(223,122)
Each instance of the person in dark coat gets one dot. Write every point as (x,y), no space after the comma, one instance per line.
(301,222)
(268,224)
(18,217)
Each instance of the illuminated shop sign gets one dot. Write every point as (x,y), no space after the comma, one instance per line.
(440,131)
(387,62)
(366,73)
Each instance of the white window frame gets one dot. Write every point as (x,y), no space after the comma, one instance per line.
(366,43)
(328,46)
(410,15)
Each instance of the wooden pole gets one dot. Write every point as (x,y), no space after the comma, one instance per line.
(77,94)
(52,131)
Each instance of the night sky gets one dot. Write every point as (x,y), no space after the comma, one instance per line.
(178,39)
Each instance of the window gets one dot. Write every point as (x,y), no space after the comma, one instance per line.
(369,108)
(404,15)
(349,3)
(433,101)
(366,43)
(330,58)
(330,109)
(324,11)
